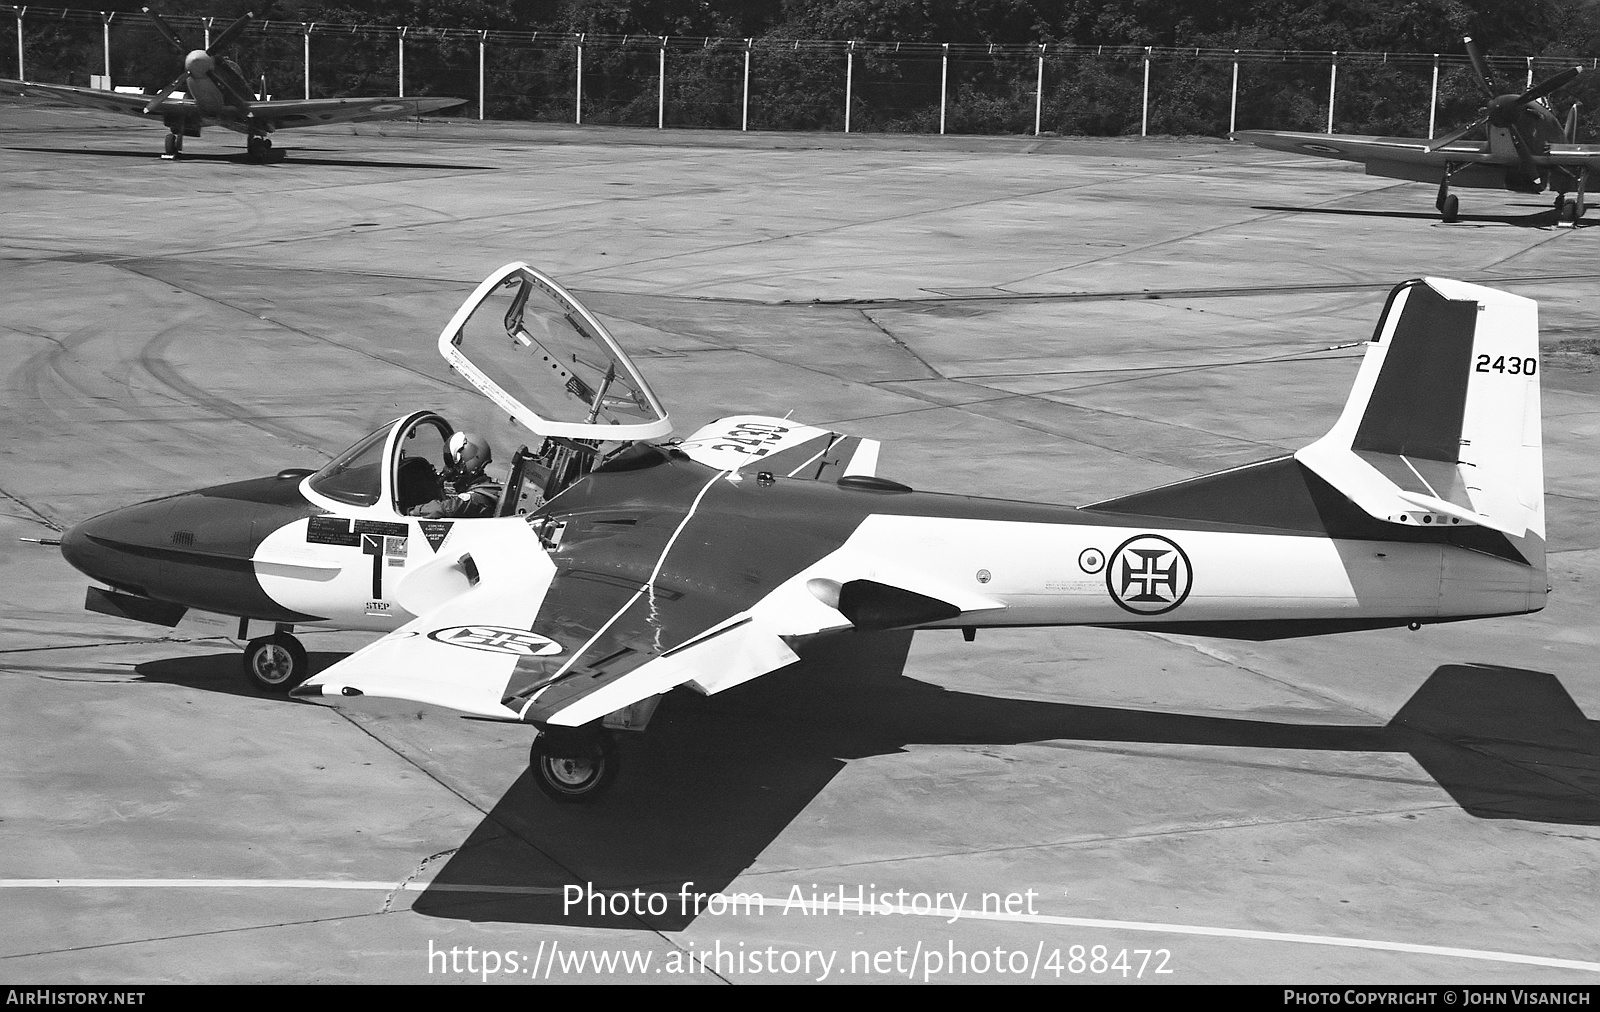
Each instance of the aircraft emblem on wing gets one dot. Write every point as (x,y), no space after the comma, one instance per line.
(497,640)
(1149,575)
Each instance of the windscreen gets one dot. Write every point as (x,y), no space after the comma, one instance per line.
(356,475)
(533,346)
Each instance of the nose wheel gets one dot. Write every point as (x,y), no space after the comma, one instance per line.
(573,767)
(275,664)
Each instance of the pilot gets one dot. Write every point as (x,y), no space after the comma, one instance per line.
(465,491)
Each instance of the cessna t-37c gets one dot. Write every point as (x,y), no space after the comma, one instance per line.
(619,565)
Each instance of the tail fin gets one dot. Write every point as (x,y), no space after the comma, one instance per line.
(1443,425)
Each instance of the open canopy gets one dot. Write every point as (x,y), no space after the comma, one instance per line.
(551,364)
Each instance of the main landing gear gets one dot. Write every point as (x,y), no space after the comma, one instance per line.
(174,146)
(276,663)
(1570,207)
(258,148)
(1448,204)
(574,764)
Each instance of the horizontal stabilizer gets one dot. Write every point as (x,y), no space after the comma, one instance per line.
(1443,424)
(781,446)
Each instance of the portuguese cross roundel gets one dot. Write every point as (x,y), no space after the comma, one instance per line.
(1148,575)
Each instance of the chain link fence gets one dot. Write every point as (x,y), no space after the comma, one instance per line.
(799,84)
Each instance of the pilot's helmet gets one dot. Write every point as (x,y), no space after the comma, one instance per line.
(468,451)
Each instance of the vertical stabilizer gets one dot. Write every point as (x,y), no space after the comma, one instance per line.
(1442,427)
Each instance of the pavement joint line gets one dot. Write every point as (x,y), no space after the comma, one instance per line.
(1119,838)
(190,934)
(1215,654)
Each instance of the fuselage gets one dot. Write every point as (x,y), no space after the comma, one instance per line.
(267,549)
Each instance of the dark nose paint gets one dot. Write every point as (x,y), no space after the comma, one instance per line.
(193,548)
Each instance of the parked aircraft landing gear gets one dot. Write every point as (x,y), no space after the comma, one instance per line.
(572,764)
(1448,204)
(259,148)
(276,663)
(174,146)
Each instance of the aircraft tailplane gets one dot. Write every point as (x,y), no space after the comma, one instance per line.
(1442,427)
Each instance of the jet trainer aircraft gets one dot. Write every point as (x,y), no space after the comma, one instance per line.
(218,95)
(1527,150)
(619,567)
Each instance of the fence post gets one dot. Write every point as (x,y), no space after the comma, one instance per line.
(209,22)
(1530,75)
(403,60)
(1038,93)
(1233,103)
(20,75)
(308,28)
(944,80)
(1333,84)
(578,116)
(744,113)
(849,81)
(661,87)
(1144,104)
(106,45)
(483,43)
(1433,100)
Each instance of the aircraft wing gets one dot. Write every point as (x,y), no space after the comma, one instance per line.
(92,98)
(286,113)
(1355,148)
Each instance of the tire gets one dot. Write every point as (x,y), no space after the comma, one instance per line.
(1450,211)
(1569,211)
(172,146)
(575,769)
(275,664)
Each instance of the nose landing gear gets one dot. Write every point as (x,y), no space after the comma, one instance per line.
(275,664)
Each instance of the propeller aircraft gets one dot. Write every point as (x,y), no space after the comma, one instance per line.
(620,565)
(217,94)
(1527,148)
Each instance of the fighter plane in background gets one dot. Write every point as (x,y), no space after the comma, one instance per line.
(1527,148)
(619,567)
(217,94)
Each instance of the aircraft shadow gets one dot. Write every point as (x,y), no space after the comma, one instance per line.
(717,779)
(239,157)
(1543,218)
(222,673)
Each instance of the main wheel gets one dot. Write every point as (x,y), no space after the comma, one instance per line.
(1570,210)
(574,769)
(1450,210)
(173,146)
(276,663)
(255,147)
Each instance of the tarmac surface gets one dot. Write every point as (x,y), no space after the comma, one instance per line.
(1049,319)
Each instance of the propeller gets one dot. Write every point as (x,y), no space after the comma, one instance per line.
(204,63)
(1505,111)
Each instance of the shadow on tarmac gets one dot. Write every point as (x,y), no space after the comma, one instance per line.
(717,778)
(241,158)
(1540,219)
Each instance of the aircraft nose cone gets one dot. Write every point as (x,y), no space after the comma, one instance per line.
(107,547)
(199,62)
